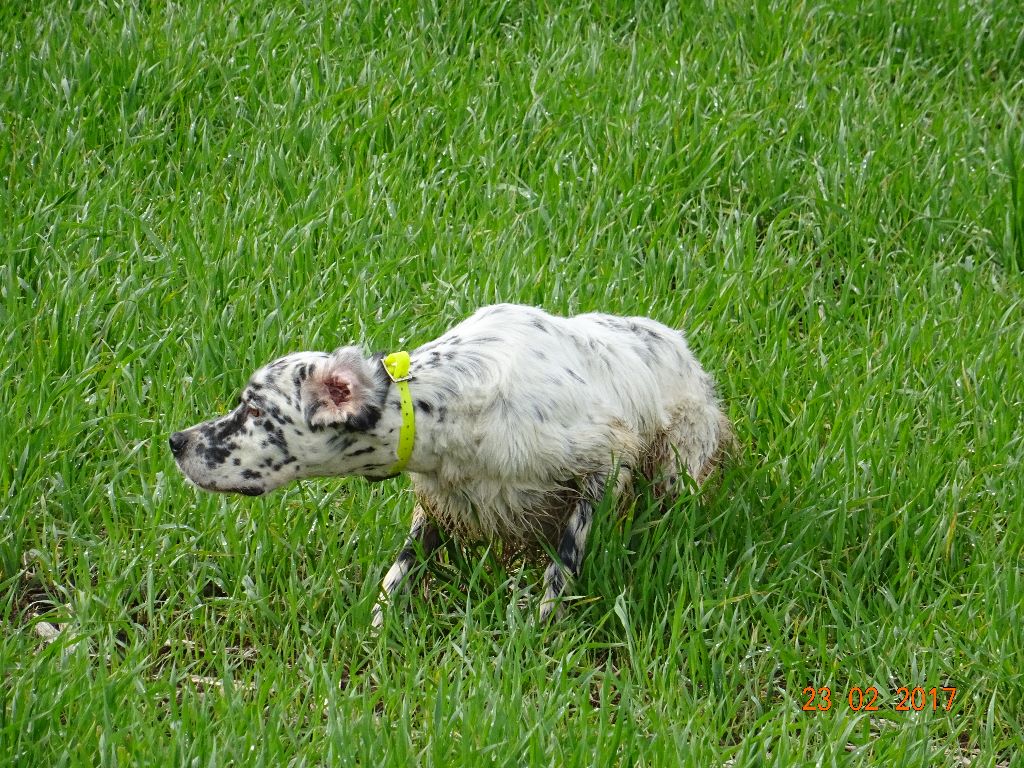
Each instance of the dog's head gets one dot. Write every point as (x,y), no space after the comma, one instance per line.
(309,414)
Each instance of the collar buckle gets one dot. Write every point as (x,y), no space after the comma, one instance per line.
(397,366)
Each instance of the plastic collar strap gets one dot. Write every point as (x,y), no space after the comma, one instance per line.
(397,366)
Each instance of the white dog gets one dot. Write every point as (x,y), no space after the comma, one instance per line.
(523,420)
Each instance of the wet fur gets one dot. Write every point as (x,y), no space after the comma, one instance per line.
(522,419)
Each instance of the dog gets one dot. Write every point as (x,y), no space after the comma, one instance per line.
(523,422)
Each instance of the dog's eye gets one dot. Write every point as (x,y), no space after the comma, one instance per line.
(253,413)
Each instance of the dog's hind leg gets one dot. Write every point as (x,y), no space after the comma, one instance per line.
(423,538)
(572,544)
(690,448)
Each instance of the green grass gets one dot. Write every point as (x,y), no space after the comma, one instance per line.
(828,196)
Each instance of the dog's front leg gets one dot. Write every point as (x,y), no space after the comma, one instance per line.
(572,544)
(423,537)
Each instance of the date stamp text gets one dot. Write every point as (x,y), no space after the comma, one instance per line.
(906,699)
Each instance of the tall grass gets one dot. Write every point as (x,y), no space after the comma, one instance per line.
(826,196)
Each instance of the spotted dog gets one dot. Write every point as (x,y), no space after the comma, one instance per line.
(524,421)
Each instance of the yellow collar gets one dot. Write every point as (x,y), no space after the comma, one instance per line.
(397,366)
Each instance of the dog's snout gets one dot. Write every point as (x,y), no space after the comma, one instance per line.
(178,442)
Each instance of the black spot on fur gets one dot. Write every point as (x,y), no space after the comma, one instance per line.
(215,455)
(365,419)
(369,467)
(275,412)
(424,406)
(275,436)
(568,552)
(609,321)
(341,441)
(311,411)
(247,490)
(570,546)
(284,462)
(236,461)
(557,582)
(540,325)
(575,375)
(251,474)
(219,431)
(407,555)
(361,451)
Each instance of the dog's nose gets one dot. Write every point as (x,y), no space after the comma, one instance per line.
(178,441)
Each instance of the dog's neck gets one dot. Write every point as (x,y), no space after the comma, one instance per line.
(428,398)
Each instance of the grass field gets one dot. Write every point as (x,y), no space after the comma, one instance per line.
(827,196)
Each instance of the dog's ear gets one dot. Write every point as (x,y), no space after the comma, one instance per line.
(338,389)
